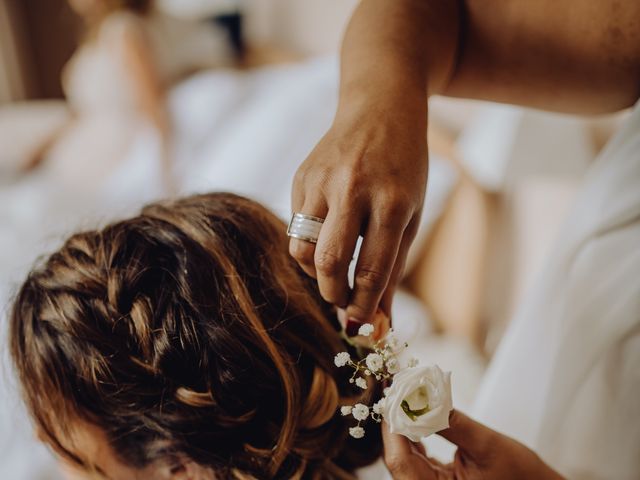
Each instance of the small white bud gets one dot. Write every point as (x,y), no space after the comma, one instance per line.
(392,365)
(378,407)
(341,359)
(360,412)
(366,329)
(375,362)
(361,382)
(346,410)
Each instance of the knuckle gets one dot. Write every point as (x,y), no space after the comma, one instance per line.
(300,175)
(302,252)
(328,264)
(371,280)
(353,184)
(395,204)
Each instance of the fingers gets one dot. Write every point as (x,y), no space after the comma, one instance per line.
(403,459)
(302,251)
(334,252)
(471,437)
(376,262)
(386,302)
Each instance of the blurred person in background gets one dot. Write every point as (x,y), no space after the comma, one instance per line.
(116,83)
(565,378)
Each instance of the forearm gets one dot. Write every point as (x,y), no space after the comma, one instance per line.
(398,52)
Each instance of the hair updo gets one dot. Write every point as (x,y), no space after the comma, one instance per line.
(188,331)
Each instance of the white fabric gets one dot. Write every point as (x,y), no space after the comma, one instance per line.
(565,379)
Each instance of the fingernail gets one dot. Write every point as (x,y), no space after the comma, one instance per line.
(353,326)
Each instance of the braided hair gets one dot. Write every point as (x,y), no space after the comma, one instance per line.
(188,331)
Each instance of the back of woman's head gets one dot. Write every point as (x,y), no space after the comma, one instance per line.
(187,333)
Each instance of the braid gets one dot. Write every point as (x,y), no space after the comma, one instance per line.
(188,331)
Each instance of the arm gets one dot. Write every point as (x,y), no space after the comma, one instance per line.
(149,90)
(368,174)
(579,56)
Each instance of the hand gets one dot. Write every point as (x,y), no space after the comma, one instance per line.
(367,177)
(482,454)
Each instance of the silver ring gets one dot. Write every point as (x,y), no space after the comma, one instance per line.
(305,227)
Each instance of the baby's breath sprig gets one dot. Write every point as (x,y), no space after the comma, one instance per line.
(381,364)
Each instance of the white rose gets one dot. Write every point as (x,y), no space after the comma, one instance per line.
(418,402)
(361,382)
(356,432)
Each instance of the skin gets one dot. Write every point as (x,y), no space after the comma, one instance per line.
(90,444)
(476,457)
(367,175)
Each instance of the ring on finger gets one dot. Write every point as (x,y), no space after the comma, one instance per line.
(305,227)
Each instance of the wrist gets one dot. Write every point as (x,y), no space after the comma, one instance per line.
(383,103)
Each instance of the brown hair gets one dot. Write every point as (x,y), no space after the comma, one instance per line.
(188,331)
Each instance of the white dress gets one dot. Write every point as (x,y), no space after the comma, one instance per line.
(103,97)
(566,378)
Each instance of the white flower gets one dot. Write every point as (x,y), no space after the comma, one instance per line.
(346,410)
(375,362)
(356,432)
(360,412)
(386,391)
(378,407)
(342,359)
(366,329)
(413,362)
(391,340)
(418,402)
(393,365)
(361,382)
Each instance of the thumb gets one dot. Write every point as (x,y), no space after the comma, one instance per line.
(403,459)
(471,437)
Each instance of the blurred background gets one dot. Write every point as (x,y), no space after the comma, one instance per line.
(108,104)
